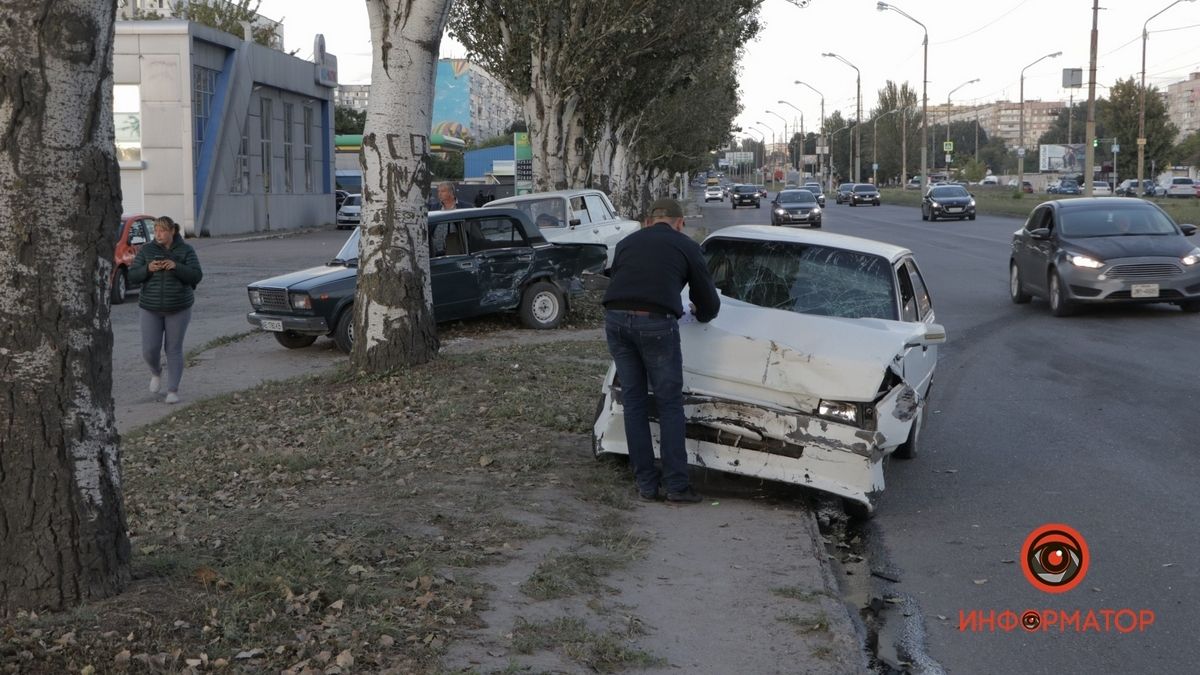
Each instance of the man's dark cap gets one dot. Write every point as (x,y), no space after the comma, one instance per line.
(669,208)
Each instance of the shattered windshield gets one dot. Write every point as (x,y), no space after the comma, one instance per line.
(803,278)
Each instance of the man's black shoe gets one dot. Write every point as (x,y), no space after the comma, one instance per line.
(655,496)
(688,496)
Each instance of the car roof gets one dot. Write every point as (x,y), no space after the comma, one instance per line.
(813,237)
(1084,202)
(532,232)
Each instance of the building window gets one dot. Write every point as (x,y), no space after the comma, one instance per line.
(127,122)
(241,167)
(287,146)
(264,135)
(308,149)
(204,83)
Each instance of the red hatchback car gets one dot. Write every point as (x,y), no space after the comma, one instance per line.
(135,231)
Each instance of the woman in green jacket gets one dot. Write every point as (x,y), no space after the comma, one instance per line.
(168,270)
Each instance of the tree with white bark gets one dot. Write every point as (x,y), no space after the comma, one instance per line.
(393,306)
(597,77)
(62,520)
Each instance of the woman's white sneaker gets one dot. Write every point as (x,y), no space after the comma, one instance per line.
(155,381)
(172,397)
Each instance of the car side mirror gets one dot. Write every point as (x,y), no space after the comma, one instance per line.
(1041,233)
(136,240)
(972,194)
(1188,230)
(935,334)
(574,222)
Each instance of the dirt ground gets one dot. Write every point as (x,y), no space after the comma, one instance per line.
(448,520)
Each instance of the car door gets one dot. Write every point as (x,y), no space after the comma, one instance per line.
(1029,253)
(502,258)
(919,362)
(609,228)
(453,271)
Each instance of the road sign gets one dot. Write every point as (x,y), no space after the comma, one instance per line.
(947,158)
(948,146)
(1141,141)
(1116,148)
(874,167)
(822,149)
(1072,78)
(1020,152)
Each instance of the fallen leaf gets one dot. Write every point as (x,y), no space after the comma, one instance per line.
(424,600)
(122,658)
(337,606)
(345,659)
(250,654)
(980,582)
(324,656)
(206,575)
(485,460)
(386,641)
(66,639)
(943,617)
(89,669)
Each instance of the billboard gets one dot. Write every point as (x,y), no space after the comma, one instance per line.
(740,157)
(1065,158)
(452,98)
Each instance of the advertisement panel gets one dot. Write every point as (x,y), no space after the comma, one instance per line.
(452,99)
(523,163)
(1064,158)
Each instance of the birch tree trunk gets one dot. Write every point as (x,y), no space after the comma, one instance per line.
(561,152)
(393,306)
(62,521)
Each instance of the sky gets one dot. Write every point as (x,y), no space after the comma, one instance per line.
(987,39)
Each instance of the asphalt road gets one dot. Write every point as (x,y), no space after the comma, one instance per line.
(1088,421)
(229,264)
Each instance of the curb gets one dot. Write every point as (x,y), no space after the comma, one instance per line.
(282,234)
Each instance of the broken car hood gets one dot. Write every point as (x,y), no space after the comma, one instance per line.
(789,359)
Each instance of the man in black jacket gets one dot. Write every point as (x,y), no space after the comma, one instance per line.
(642,308)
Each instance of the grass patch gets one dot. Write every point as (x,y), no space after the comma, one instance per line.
(806,624)
(338,513)
(563,575)
(191,356)
(603,653)
(797,593)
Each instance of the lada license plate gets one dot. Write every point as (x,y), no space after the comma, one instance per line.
(271,325)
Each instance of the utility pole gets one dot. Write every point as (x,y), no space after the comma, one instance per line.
(1089,152)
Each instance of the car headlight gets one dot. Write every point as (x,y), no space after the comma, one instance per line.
(971,203)
(1192,258)
(255,298)
(780,212)
(1084,261)
(816,211)
(935,204)
(840,411)
(300,301)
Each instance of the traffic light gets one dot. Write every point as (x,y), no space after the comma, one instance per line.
(1095,142)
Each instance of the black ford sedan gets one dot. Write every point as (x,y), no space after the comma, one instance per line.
(1104,250)
(947,201)
(481,261)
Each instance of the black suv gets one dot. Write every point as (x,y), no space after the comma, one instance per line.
(481,261)
(863,193)
(745,195)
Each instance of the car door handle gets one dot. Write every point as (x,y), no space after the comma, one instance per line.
(525,257)
(596,231)
(466,264)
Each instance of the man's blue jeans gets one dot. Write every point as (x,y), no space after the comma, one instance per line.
(646,352)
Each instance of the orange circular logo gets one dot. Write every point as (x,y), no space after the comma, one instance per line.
(1054,558)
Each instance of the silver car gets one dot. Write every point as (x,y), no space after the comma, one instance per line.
(1104,250)
(350,213)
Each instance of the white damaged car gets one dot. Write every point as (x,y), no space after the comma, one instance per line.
(817,368)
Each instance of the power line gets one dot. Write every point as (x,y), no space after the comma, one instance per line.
(986,25)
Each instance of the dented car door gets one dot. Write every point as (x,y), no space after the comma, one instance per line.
(502,258)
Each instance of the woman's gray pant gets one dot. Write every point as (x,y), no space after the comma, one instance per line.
(163,331)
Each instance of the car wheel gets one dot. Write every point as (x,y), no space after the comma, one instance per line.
(924,215)
(1016,289)
(732,205)
(817,225)
(1060,304)
(932,216)
(757,205)
(971,217)
(911,447)
(1190,306)
(120,287)
(542,306)
(343,335)
(876,203)
(294,340)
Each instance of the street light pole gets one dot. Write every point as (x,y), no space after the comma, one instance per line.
(786,139)
(855,171)
(800,154)
(820,133)
(883,7)
(948,119)
(753,154)
(1089,153)
(1021,139)
(769,155)
(1141,139)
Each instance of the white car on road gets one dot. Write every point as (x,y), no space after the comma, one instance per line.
(816,369)
(574,217)
(1101,188)
(1181,187)
(714,192)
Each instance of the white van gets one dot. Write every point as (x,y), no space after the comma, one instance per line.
(990,180)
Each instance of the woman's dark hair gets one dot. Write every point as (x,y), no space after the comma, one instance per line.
(166,221)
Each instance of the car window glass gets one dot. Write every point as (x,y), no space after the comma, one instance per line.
(579,211)
(796,196)
(141,229)
(446,239)
(493,233)
(924,304)
(908,299)
(802,278)
(1104,221)
(597,208)
(1035,220)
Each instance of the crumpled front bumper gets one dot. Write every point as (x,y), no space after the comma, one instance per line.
(774,443)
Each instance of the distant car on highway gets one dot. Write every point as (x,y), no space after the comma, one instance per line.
(1181,187)
(816,190)
(947,201)
(762,191)
(863,193)
(714,192)
(1104,250)
(843,193)
(797,206)
(744,195)
(1101,188)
